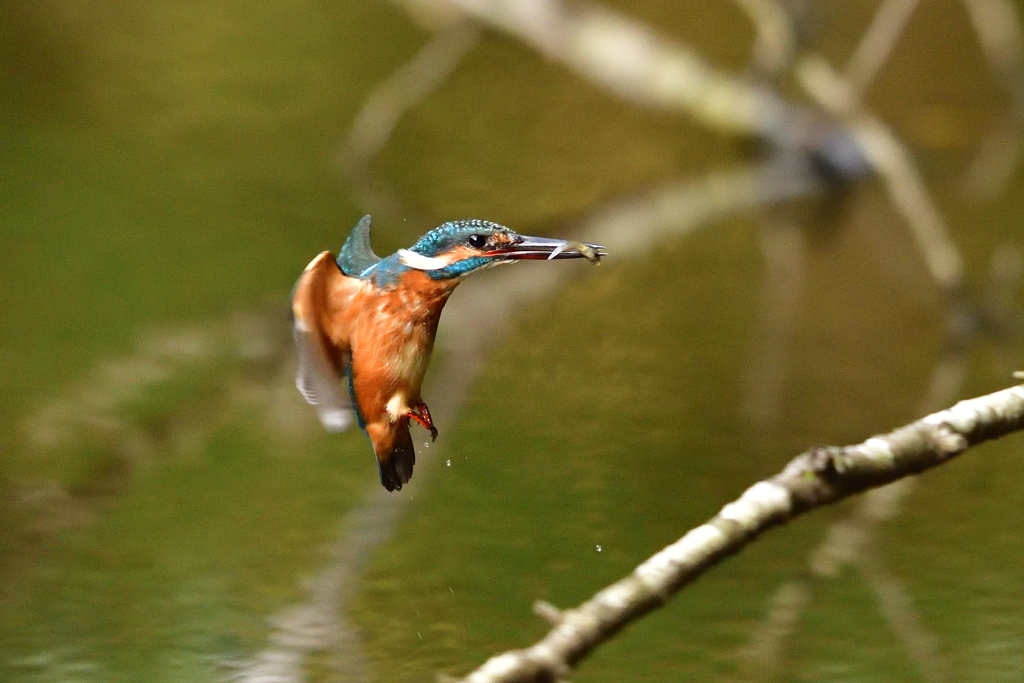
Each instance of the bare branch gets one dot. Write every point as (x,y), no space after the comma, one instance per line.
(813,479)
(890,158)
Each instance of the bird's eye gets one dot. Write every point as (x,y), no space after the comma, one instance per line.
(476,241)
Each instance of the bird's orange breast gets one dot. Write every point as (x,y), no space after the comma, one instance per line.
(391,335)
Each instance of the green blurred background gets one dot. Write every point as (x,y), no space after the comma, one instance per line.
(168,503)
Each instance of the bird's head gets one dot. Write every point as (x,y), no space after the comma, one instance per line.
(459,248)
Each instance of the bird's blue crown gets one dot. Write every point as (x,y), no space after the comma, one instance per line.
(446,237)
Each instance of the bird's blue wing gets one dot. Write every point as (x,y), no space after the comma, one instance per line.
(357,256)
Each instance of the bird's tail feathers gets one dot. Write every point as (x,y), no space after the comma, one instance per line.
(395,467)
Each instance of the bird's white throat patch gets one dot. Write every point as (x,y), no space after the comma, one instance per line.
(419,261)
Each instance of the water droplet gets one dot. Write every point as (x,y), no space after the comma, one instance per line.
(598,548)
(449,463)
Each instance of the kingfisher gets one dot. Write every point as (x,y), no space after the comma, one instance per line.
(364,326)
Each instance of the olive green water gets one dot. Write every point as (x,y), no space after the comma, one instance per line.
(167,171)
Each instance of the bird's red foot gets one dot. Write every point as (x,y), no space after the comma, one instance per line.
(422,415)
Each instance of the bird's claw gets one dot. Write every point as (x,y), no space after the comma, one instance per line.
(422,415)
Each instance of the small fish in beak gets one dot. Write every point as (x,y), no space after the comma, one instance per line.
(543,248)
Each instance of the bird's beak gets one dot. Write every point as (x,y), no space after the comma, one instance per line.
(543,248)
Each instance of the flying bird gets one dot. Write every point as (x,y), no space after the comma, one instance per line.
(364,326)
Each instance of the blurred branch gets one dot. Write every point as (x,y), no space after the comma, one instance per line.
(898,609)
(409,85)
(775,43)
(782,242)
(893,163)
(998,25)
(784,250)
(875,47)
(631,60)
(631,225)
(813,479)
(1006,271)
(997,157)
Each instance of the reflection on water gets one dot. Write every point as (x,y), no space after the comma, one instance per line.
(170,510)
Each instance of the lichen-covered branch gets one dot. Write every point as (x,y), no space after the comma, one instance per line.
(813,479)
